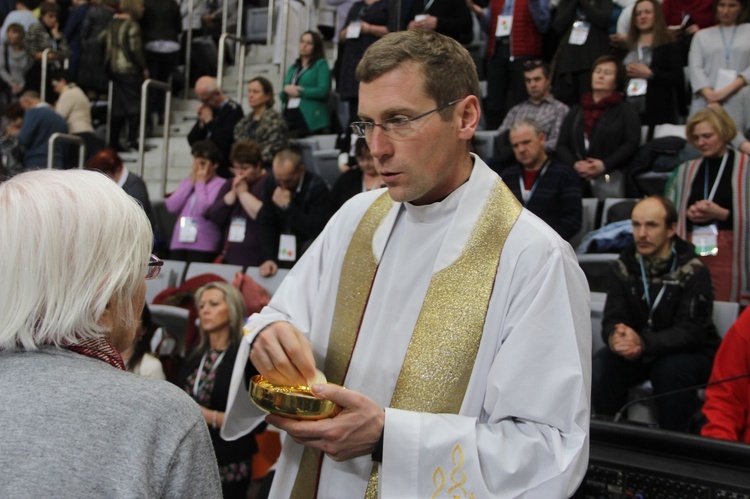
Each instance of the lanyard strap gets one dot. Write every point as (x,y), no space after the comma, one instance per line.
(526,195)
(298,74)
(727,48)
(716,182)
(508,8)
(427,5)
(198,385)
(362,11)
(647,293)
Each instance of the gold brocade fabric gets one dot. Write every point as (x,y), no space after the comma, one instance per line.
(357,274)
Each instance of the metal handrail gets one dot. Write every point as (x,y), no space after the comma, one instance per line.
(238,30)
(241,72)
(65,137)
(167,87)
(188,52)
(269,26)
(110,91)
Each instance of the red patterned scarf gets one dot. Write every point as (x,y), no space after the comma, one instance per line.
(101,349)
(592,111)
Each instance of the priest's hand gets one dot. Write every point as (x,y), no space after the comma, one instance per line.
(283,355)
(353,432)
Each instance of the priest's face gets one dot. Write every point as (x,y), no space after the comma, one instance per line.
(418,161)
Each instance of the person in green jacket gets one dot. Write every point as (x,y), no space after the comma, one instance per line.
(306,89)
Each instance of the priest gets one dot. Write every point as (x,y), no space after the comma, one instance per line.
(457,320)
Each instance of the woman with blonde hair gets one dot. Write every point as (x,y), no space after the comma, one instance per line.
(711,195)
(207,373)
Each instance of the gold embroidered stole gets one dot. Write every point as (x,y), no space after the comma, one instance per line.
(357,275)
(444,345)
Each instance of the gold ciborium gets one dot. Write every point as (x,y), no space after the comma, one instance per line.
(296,402)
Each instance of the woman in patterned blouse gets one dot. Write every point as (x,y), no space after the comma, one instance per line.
(262,124)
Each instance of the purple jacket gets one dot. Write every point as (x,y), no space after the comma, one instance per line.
(194,200)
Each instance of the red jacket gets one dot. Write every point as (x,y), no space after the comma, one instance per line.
(727,404)
(526,40)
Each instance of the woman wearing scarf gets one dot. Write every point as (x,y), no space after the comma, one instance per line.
(601,134)
(711,195)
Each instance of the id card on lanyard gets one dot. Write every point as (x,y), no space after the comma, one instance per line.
(198,385)
(526,194)
(638,86)
(580,33)
(287,248)
(726,75)
(647,293)
(189,225)
(294,102)
(705,238)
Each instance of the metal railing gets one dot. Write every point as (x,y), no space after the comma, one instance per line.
(45,63)
(110,90)
(241,70)
(167,87)
(188,52)
(65,137)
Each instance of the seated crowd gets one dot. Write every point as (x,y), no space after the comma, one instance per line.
(559,136)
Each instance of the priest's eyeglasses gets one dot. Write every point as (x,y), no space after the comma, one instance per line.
(153,268)
(394,128)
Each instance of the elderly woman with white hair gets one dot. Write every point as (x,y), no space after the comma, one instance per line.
(75,262)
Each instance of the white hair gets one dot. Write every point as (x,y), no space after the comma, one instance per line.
(72,244)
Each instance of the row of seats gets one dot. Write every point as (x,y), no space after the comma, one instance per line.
(175,272)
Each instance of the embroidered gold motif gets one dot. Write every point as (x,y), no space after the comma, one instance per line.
(438,477)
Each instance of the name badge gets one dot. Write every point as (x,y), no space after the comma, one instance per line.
(504,25)
(188,230)
(637,86)
(353,30)
(725,77)
(293,103)
(288,248)
(705,240)
(580,33)
(237,230)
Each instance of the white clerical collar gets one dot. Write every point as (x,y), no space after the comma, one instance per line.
(123,176)
(435,212)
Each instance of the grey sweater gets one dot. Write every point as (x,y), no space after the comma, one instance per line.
(76,427)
